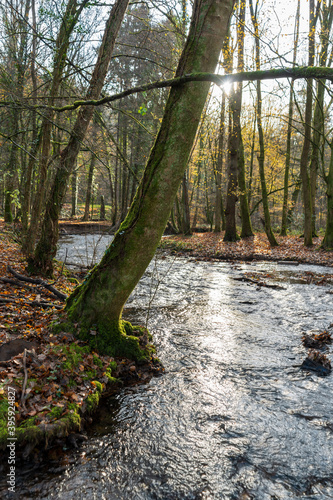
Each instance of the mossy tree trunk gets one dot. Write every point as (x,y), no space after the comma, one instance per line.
(98,303)
(47,245)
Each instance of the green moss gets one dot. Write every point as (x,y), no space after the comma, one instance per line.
(113,366)
(97,361)
(30,422)
(98,385)
(116,339)
(55,413)
(111,380)
(89,375)
(92,401)
(74,355)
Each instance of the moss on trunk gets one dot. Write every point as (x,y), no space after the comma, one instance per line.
(98,303)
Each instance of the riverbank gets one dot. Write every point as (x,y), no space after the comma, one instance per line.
(210,246)
(50,384)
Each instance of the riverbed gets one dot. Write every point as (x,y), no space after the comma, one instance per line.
(234,416)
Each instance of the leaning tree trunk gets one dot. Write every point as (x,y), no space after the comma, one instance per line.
(46,248)
(98,303)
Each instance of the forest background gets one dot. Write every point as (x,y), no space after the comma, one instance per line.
(263,153)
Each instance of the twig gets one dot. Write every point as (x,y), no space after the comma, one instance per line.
(25,379)
(38,281)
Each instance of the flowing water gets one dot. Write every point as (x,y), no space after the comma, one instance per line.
(234,416)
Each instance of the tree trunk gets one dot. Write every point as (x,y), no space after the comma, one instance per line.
(328,238)
(283,231)
(319,114)
(230,209)
(261,156)
(47,245)
(69,21)
(100,300)
(244,206)
(74,193)
(186,220)
(102,209)
(89,187)
(306,184)
(219,215)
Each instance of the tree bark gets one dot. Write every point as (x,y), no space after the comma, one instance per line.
(305,177)
(244,206)
(47,245)
(69,21)
(261,156)
(100,300)
(283,231)
(328,238)
(318,125)
(219,215)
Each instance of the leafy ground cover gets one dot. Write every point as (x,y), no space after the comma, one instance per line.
(207,246)
(57,380)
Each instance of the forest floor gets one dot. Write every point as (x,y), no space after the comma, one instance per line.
(53,387)
(56,380)
(210,246)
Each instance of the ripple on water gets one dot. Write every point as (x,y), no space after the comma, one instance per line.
(233,417)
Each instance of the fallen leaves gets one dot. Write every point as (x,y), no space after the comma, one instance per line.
(208,246)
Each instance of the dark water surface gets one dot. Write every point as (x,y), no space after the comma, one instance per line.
(233,417)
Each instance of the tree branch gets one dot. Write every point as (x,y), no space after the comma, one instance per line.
(272,74)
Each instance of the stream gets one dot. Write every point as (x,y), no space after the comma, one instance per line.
(233,417)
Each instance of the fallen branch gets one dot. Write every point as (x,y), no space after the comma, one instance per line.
(38,281)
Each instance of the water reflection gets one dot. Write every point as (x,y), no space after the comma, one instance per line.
(233,417)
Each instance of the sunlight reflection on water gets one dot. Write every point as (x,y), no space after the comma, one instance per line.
(233,415)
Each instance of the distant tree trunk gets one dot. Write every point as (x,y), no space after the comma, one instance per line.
(319,114)
(261,156)
(74,193)
(306,183)
(186,220)
(252,159)
(328,238)
(232,187)
(102,209)
(246,231)
(244,206)
(89,186)
(47,245)
(294,198)
(283,231)
(100,300)
(125,180)
(219,212)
